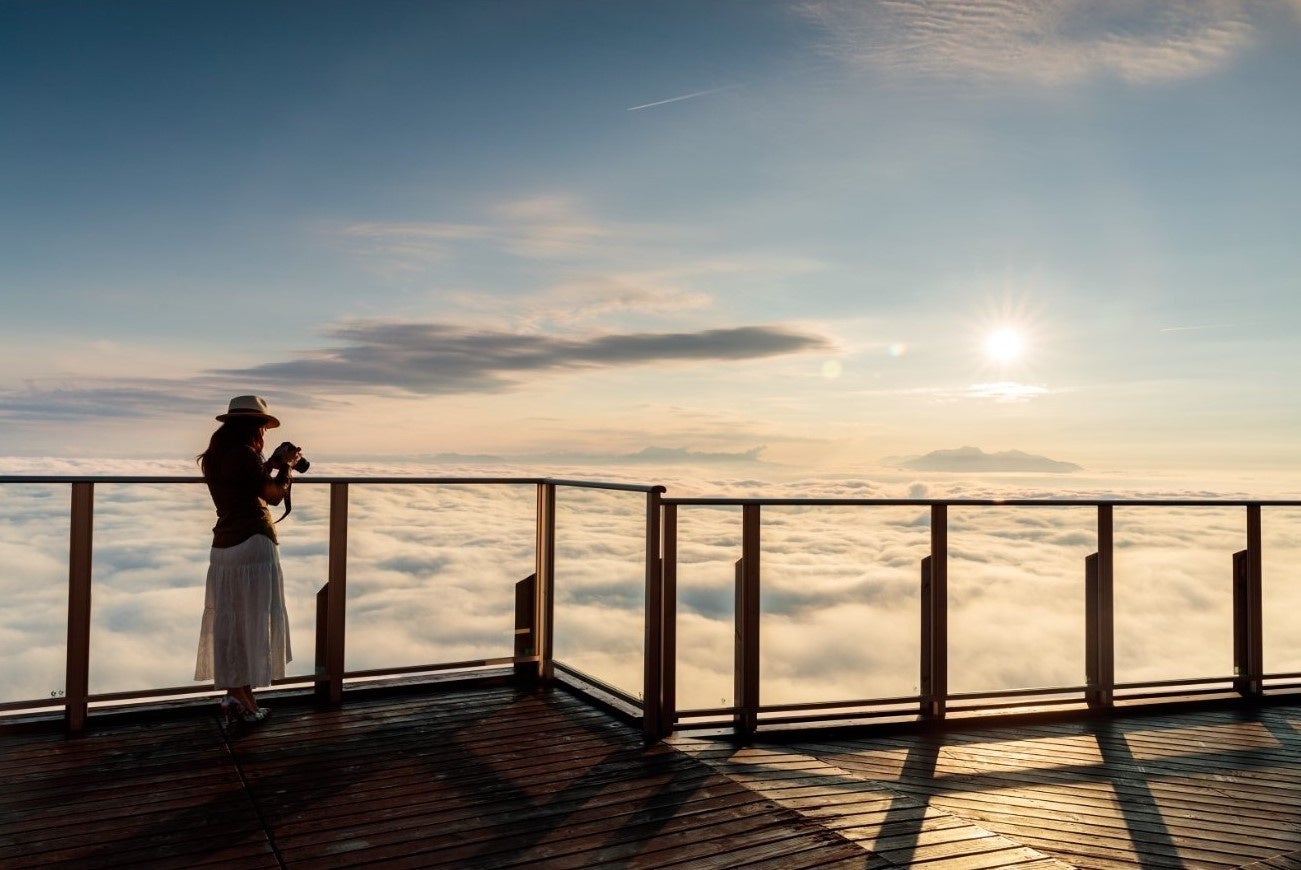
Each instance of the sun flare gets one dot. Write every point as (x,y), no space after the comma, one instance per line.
(1004,345)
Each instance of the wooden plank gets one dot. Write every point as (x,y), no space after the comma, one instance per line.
(404,827)
(103,787)
(816,790)
(1189,797)
(1056,765)
(1274,790)
(1278,862)
(498,777)
(1181,816)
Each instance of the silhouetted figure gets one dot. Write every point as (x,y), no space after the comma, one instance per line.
(244,639)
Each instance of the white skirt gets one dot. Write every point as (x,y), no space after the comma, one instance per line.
(244,638)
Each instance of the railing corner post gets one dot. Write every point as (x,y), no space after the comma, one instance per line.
(545,570)
(653,645)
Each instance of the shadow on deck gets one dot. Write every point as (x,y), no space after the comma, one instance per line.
(491,776)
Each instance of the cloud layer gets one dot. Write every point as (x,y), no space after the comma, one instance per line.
(432,570)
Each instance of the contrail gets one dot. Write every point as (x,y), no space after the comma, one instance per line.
(679,99)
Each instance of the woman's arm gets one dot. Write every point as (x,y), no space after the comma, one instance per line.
(274,489)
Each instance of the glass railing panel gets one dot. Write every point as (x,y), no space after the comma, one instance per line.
(839,602)
(1174,591)
(150,560)
(34,529)
(1016,596)
(709,543)
(432,570)
(304,538)
(600,585)
(1281,589)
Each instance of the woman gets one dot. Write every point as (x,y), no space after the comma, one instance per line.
(244,639)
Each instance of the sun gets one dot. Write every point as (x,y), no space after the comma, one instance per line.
(1004,345)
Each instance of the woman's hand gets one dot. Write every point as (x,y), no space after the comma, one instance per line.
(283,461)
(291,459)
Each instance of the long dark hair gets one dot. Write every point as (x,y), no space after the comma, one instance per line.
(235,432)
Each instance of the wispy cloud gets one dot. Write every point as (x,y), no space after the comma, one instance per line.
(1005,391)
(553,226)
(548,226)
(1048,41)
(405,246)
(105,399)
(589,298)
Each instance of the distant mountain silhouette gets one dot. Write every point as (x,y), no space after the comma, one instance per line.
(971,459)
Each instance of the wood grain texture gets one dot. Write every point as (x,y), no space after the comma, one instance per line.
(493,776)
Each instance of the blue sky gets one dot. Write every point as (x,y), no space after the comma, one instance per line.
(524,229)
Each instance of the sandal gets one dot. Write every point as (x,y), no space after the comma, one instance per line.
(230,709)
(233,711)
(253,717)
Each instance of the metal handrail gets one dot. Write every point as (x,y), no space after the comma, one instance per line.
(733,501)
(326,479)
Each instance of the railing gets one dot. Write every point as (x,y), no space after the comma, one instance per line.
(650,557)
(934,698)
(531,657)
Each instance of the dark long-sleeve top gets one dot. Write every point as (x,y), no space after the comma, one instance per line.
(241,488)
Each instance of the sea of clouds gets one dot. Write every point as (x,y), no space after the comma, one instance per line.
(432,569)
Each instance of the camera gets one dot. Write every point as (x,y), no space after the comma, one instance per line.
(286,450)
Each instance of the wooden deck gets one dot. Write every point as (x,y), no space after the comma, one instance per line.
(495,777)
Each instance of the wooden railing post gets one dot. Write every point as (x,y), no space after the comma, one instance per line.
(746,664)
(669,573)
(76,686)
(1099,617)
(1248,642)
(322,685)
(545,569)
(526,628)
(336,592)
(1092,672)
(927,653)
(653,643)
(935,618)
